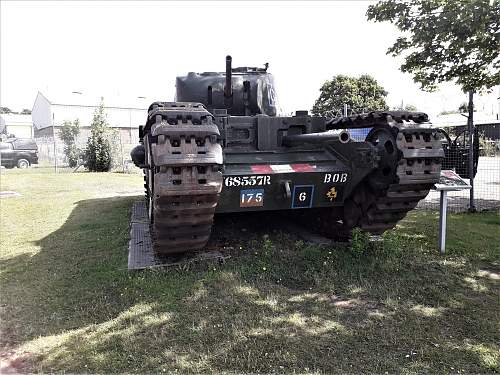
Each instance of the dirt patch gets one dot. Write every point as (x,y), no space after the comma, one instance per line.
(351,303)
(12,362)
(489,273)
(9,194)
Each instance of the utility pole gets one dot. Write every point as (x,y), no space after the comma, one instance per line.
(470,123)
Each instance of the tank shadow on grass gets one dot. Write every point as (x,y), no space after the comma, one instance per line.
(277,305)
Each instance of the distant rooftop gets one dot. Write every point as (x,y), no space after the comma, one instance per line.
(459,119)
(77,98)
(13,118)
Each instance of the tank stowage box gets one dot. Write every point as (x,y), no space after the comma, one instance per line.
(223,148)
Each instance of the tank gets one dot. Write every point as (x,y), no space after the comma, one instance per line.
(222,147)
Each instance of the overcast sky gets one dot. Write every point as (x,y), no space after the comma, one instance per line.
(136,49)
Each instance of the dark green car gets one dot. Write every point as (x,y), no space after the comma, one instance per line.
(18,152)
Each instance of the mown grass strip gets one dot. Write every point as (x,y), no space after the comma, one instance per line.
(278,305)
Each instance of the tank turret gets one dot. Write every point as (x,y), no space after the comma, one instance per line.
(244,91)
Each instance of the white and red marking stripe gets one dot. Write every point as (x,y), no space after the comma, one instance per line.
(282,168)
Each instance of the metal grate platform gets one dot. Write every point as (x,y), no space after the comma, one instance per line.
(140,250)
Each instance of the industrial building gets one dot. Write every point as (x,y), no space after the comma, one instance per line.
(125,115)
(20,126)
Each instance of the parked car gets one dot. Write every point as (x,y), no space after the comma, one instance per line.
(456,150)
(18,152)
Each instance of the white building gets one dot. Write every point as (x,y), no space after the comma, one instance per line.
(460,119)
(125,115)
(19,126)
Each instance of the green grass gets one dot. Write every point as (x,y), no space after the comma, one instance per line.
(278,305)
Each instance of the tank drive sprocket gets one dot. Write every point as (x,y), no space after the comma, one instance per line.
(185,178)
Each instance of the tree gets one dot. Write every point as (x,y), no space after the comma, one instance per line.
(68,134)
(98,150)
(5,110)
(464,108)
(407,107)
(445,40)
(447,112)
(410,108)
(360,94)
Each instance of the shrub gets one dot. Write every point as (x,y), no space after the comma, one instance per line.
(98,150)
(68,134)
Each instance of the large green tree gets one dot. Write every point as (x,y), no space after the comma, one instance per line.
(445,40)
(361,94)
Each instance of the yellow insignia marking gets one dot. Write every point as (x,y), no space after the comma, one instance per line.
(332,194)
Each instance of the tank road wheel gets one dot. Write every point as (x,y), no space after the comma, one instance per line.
(185,176)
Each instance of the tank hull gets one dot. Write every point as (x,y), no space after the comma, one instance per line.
(197,164)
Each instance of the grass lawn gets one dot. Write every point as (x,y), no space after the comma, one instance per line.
(68,304)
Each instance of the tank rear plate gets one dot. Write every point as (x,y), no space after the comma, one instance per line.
(283,186)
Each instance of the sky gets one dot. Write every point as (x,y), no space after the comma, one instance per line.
(131,49)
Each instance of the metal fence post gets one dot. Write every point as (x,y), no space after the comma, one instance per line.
(121,152)
(55,150)
(470,123)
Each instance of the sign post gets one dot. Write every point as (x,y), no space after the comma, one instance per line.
(443,208)
(448,181)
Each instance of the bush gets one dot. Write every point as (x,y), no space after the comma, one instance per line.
(73,154)
(113,136)
(98,151)
(487,147)
(68,134)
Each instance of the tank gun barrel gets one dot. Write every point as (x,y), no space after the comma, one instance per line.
(300,139)
(228,88)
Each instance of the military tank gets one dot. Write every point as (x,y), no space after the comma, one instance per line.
(221,147)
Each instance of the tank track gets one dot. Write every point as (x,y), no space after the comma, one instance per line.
(417,171)
(186,161)
(376,208)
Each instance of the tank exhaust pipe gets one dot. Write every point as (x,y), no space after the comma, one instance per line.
(228,88)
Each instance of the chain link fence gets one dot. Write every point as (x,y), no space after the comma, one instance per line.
(51,154)
(486,169)
(487,163)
